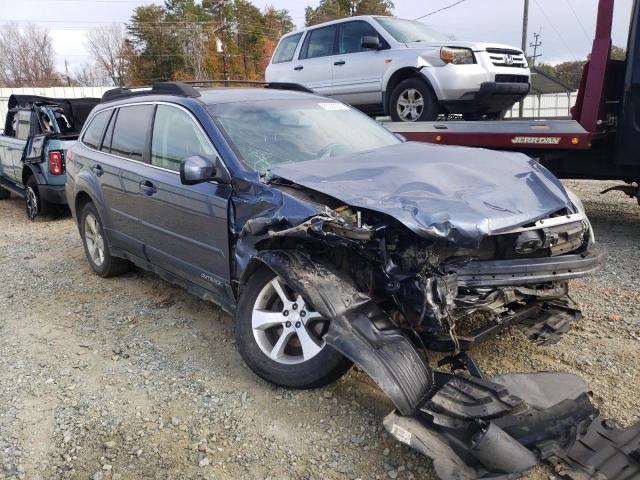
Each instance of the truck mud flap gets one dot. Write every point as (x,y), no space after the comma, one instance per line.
(359,329)
(500,428)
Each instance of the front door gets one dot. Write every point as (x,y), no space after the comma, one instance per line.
(357,72)
(313,68)
(185,226)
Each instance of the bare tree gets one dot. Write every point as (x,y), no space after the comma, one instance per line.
(109,47)
(91,75)
(27,58)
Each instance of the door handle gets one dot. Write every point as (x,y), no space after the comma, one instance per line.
(98,170)
(298,68)
(339,63)
(148,188)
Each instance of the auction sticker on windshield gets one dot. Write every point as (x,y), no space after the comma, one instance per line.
(333,106)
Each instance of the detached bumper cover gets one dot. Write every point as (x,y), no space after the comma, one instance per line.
(500,428)
(527,270)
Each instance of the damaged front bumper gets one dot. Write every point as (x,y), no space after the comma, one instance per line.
(526,271)
(470,426)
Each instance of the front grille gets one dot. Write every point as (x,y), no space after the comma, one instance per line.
(501,57)
(504,78)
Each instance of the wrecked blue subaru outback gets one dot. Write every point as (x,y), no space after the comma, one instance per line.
(334,242)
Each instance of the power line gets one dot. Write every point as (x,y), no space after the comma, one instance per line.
(555,30)
(584,30)
(440,9)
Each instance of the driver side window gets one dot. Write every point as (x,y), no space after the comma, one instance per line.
(176,137)
(351,34)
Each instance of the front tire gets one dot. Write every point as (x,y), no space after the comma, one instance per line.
(279,335)
(96,247)
(35,206)
(413,101)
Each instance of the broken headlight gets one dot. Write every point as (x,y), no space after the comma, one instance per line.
(579,206)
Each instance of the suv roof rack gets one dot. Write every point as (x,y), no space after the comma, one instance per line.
(254,83)
(187,88)
(162,88)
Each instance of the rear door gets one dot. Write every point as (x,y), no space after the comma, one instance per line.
(8,143)
(14,146)
(313,69)
(123,169)
(281,68)
(118,139)
(357,72)
(185,226)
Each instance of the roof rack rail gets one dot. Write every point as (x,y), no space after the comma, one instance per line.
(163,88)
(227,83)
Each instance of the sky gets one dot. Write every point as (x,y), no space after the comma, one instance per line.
(566,26)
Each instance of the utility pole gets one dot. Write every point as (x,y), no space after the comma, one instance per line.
(525,33)
(537,43)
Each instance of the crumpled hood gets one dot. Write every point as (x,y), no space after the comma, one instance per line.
(456,193)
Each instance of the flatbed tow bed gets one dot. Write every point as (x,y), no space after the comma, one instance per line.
(499,134)
(601,139)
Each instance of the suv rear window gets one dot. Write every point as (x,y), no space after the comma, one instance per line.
(286,49)
(93,134)
(130,131)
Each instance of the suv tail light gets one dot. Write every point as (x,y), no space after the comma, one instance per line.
(55,162)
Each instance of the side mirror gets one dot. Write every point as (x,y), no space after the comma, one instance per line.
(197,169)
(371,43)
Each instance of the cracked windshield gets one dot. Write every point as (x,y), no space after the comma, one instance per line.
(267,133)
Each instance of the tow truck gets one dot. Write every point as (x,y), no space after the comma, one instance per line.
(601,139)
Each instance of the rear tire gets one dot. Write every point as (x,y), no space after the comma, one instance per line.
(96,246)
(285,349)
(413,101)
(35,206)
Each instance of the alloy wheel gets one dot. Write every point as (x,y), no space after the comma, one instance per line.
(93,239)
(287,331)
(410,105)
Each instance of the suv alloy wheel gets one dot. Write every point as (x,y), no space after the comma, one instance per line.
(96,246)
(279,335)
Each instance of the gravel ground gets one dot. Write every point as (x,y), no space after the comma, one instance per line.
(133,378)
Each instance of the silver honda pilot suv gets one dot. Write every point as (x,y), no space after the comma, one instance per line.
(401,68)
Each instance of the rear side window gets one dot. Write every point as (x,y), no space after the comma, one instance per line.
(351,36)
(286,49)
(319,42)
(23,127)
(130,131)
(93,134)
(176,136)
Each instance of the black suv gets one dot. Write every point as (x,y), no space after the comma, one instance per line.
(328,238)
